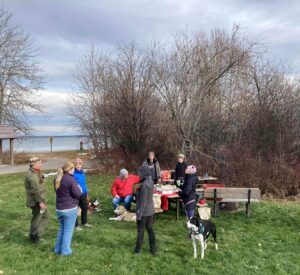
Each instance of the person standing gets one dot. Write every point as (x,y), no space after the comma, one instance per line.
(145,210)
(122,189)
(68,193)
(188,190)
(80,178)
(36,199)
(181,165)
(154,167)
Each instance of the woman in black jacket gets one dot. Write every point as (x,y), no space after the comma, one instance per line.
(188,192)
(145,210)
(181,165)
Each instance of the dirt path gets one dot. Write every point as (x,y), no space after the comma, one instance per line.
(51,161)
(50,164)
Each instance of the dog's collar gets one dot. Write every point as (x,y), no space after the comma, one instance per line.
(200,230)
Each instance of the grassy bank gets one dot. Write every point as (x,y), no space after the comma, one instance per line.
(266,243)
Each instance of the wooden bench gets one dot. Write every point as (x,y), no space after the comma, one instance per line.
(247,195)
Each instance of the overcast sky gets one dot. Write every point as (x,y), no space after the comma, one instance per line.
(63,29)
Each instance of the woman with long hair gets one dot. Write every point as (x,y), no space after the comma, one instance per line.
(68,193)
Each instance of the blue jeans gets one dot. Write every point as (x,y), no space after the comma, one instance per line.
(127,201)
(64,237)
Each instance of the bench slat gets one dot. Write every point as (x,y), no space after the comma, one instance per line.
(236,194)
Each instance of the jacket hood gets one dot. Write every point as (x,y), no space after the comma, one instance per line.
(154,160)
(79,171)
(143,172)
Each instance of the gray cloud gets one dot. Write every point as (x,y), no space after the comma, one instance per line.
(64,29)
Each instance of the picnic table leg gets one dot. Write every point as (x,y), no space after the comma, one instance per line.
(248,204)
(215,203)
(177,209)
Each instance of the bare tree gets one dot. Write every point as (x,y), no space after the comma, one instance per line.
(88,96)
(20,74)
(192,82)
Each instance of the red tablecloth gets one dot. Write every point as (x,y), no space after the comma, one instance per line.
(164,199)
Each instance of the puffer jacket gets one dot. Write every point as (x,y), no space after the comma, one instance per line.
(144,198)
(188,192)
(124,187)
(156,167)
(180,170)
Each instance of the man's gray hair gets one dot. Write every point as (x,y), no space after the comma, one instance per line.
(123,173)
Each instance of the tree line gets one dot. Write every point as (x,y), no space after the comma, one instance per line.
(215,97)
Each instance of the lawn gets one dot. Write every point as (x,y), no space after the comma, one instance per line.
(266,243)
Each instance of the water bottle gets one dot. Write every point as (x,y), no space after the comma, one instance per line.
(206,175)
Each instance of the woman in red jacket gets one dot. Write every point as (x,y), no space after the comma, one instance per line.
(121,189)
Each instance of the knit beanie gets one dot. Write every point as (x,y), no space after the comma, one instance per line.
(191,169)
(123,173)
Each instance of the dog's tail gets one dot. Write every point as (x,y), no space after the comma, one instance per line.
(214,234)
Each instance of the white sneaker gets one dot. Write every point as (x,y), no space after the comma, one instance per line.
(88,225)
(78,228)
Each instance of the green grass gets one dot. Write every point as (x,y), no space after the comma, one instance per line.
(266,243)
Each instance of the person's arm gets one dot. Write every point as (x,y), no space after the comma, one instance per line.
(188,188)
(75,190)
(135,179)
(35,188)
(175,173)
(114,188)
(35,191)
(158,170)
(141,202)
(85,184)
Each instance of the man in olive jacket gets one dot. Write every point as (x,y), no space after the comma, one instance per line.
(36,199)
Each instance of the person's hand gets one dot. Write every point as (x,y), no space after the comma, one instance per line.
(117,196)
(42,205)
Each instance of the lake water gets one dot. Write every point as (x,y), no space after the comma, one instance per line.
(42,144)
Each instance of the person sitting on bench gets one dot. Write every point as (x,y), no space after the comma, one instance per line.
(121,189)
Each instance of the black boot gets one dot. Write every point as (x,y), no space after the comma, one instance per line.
(34,238)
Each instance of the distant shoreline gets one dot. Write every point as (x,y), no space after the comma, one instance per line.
(56,136)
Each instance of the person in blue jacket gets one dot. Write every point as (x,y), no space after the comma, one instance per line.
(79,176)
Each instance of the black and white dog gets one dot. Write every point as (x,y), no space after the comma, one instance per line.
(94,205)
(201,230)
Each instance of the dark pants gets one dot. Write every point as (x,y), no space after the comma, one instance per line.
(39,222)
(141,224)
(83,204)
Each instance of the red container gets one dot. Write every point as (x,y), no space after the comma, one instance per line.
(165,175)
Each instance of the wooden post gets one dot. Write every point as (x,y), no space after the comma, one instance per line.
(1,156)
(51,141)
(11,150)
(215,202)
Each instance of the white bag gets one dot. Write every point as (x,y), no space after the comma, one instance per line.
(204,213)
